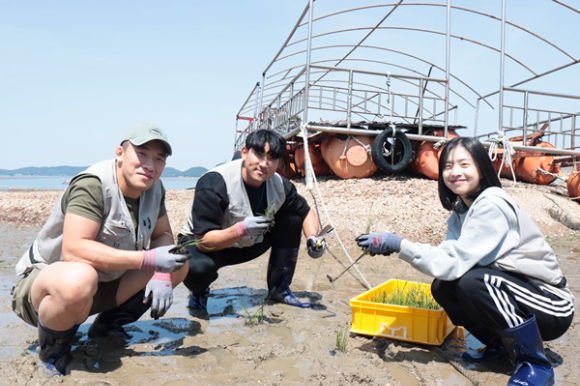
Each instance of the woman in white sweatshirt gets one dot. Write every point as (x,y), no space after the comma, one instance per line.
(494,274)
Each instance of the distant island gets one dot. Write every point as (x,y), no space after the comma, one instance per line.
(51,171)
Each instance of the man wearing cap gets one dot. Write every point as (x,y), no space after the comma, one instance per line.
(106,248)
(240,210)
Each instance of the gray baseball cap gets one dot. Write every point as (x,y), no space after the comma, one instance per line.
(145,132)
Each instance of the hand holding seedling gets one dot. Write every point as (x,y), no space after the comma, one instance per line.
(163,259)
(316,246)
(383,243)
(254,225)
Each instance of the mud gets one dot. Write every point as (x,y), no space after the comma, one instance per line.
(289,347)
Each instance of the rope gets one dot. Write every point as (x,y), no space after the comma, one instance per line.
(312,179)
(542,171)
(457,366)
(365,146)
(343,155)
(500,139)
(309,171)
(437,145)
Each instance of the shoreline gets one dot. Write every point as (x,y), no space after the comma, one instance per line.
(401,204)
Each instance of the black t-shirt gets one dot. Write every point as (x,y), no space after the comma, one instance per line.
(211,201)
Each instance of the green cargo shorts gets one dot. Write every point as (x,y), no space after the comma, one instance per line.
(104,299)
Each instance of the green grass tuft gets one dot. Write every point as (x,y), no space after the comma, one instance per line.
(342,338)
(255,318)
(410,295)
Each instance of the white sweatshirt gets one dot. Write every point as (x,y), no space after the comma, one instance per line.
(493,232)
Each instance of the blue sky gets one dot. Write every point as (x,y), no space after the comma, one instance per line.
(75,75)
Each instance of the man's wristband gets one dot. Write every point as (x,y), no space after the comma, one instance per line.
(240,229)
(161,276)
(148,262)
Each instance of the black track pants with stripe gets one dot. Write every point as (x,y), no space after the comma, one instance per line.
(499,300)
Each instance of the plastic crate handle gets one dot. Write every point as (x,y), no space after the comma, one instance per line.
(392,331)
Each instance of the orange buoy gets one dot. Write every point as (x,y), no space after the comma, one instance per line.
(573,183)
(528,165)
(349,157)
(426,161)
(287,166)
(319,167)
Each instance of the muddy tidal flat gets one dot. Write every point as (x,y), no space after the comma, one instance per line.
(290,346)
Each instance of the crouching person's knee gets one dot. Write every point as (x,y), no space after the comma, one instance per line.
(70,286)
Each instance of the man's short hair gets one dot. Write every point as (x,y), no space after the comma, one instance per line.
(257,141)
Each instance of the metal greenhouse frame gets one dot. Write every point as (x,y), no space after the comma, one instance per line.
(420,65)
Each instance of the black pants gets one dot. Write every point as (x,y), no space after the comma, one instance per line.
(498,300)
(203,267)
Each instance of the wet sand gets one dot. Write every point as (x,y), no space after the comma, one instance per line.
(291,346)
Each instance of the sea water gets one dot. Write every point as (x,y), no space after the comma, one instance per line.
(61,182)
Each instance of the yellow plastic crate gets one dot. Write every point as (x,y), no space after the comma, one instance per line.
(398,322)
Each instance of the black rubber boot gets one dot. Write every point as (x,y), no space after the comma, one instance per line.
(525,346)
(112,321)
(54,350)
(281,269)
(493,349)
(198,302)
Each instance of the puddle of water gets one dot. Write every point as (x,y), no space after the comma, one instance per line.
(226,308)
(150,337)
(177,383)
(401,376)
(452,378)
(290,367)
(224,358)
(6,284)
(285,334)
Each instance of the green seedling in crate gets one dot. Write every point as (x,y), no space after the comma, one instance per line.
(411,295)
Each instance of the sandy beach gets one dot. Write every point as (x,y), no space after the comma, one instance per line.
(291,346)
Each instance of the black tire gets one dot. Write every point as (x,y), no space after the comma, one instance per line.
(391,154)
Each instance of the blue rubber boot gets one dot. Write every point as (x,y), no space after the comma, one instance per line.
(54,350)
(493,349)
(111,322)
(524,345)
(281,267)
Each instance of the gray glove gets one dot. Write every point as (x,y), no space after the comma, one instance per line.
(162,259)
(316,247)
(383,243)
(254,225)
(159,292)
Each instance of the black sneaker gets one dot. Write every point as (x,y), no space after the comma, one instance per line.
(198,302)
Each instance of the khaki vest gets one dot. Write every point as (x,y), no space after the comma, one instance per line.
(239,206)
(117,229)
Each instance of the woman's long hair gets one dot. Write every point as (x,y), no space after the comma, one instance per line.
(482,162)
